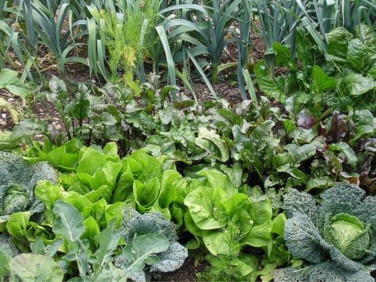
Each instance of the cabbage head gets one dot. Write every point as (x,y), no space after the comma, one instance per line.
(337,235)
(17,181)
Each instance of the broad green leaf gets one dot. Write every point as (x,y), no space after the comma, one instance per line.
(211,141)
(347,150)
(146,194)
(124,185)
(283,56)
(8,77)
(355,84)
(320,81)
(108,241)
(21,91)
(114,211)
(62,159)
(78,201)
(69,222)
(338,41)
(220,242)
(261,214)
(206,209)
(91,229)
(18,223)
(279,224)
(30,267)
(357,55)
(142,250)
(48,193)
(323,182)
(4,264)
(267,83)
(217,179)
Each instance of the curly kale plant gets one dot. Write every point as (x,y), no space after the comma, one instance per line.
(338,235)
(151,240)
(17,181)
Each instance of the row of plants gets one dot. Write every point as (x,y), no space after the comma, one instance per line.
(116,39)
(85,218)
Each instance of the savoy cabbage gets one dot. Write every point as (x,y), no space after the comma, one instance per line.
(17,181)
(151,245)
(7,247)
(337,235)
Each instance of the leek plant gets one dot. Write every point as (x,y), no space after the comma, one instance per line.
(203,33)
(321,16)
(59,41)
(278,21)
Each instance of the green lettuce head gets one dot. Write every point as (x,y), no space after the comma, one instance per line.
(339,233)
(18,179)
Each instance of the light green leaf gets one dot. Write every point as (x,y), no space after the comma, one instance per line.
(69,222)
(205,207)
(146,194)
(8,77)
(30,267)
(355,84)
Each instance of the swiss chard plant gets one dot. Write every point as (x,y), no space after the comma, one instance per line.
(343,76)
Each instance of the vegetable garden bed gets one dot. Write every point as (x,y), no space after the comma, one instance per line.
(196,140)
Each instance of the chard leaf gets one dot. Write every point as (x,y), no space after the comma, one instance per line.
(266,83)
(338,41)
(283,56)
(357,55)
(305,119)
(338,127)
(347,150)
(211,141)
(367,35)
(355,84)
(321,82)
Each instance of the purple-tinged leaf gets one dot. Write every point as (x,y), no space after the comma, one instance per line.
(306,119)
(338,128)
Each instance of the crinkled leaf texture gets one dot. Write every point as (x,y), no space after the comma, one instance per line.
(135,224)
(306,223)
(154,239)
(7,247)
(17,181)
(172,259)
(325,271)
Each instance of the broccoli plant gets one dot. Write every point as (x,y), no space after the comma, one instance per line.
(17,181)
(151,240)
(337,235)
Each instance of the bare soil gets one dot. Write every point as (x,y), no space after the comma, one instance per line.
(187,273)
